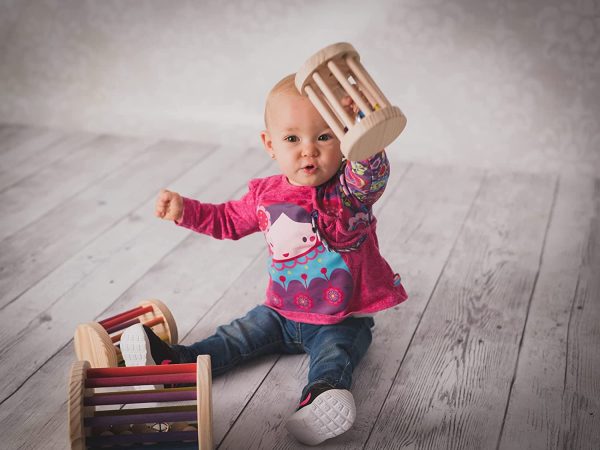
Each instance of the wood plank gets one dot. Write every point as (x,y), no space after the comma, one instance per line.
(55,151)
(453,385)
(164,280)
(7,133)
(34,252)
(12,135)
(49,250)
(52,186)
(26,143)
(554,400)
(127,246)
(417,228)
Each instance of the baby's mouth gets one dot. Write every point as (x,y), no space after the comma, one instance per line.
(309,168)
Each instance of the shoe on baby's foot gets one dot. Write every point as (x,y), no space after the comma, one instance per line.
(140,346)
(324,413)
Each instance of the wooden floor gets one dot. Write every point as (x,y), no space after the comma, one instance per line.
(498,346)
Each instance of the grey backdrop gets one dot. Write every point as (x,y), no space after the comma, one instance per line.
(511,83)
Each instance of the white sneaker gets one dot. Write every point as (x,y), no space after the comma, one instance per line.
(330,414)
(135,349)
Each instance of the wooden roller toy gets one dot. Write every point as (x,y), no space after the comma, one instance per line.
(105,411)
(97,342)
(336,72)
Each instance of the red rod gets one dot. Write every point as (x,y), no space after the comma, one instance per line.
(150,323)
(126,316)
(164,369)
(122,325)
(176,378)
(108,319)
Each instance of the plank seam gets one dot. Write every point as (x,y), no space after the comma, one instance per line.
(205,152)
(112,304)
(100,179)
(531,294)
(61,140)
(475,197)
(232,425)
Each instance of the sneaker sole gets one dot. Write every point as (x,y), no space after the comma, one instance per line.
(135,349)
(329,415)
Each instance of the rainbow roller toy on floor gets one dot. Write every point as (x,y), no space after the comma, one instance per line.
(97,342)
(106,411)
(336,72)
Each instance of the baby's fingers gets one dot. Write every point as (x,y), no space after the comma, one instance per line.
(162,203)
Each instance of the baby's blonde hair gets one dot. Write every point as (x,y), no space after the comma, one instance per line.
(285,86)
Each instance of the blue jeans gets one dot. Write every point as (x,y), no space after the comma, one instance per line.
(334,350)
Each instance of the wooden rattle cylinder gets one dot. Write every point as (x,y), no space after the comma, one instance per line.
(97,342)
(104,412)
(336,72)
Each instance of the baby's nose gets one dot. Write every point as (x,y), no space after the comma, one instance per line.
(310,150)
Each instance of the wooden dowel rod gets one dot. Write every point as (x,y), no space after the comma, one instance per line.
(124,412)
(333,101)
(350,89)
(126,316)
(157,446)
(171,436)
(158,396)
(141,370)
(366,80)
(374,103)
(154,417)
(324,111)
(122,326)
(117,316)
(142,380)
(150,323)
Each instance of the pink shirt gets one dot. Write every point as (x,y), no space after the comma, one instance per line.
(324,262)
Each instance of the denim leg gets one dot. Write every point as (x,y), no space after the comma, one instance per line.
(260,332)
(335,351)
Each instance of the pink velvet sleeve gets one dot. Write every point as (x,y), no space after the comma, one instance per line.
(230,220)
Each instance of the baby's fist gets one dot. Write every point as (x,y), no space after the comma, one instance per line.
(169,205)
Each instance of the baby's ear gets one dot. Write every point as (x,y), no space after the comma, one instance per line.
(265,137)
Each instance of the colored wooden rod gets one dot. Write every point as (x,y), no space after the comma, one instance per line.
(161,446)
(141,380)
(154,409)
(166,395)
(117,316)
(139,418)
(126,316)
(105,372)
(122,326)
(150,324)
(171,436)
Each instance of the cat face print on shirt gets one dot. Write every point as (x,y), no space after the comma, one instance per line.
(288,230)
(305,276)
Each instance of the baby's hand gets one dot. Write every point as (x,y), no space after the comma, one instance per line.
(169,205)
(349,105)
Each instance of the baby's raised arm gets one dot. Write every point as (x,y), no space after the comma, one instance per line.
(169,205)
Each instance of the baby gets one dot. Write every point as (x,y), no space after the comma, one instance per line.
(326,275)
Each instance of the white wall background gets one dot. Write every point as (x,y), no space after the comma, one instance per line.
(512,83)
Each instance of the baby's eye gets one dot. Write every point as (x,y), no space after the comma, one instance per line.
(325,137)
(291,138)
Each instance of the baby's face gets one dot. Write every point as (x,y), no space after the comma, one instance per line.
(307,151)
